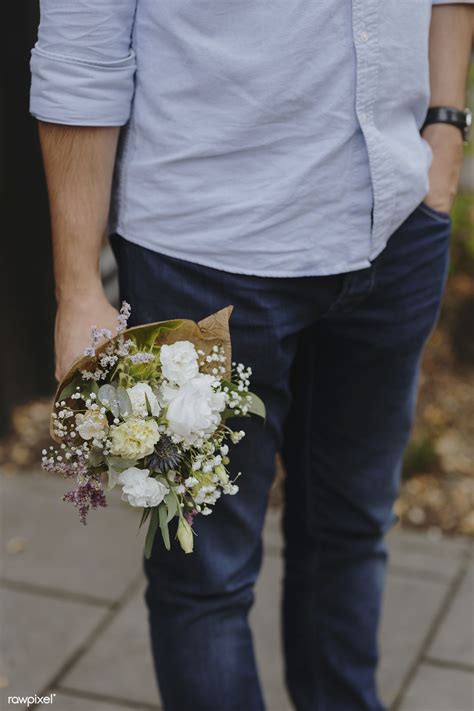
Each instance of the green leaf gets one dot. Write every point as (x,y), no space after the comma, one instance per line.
(225,414)
(111,479)
(256,406)
(69,389)
(146,336)
(163,514)
(107,395)
(146,513)
(119,464)
(124,402)
(148,406)
(171,501)
(150,536)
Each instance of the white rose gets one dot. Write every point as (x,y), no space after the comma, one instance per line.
(134,438)
(141,489)
(92,424)
(179,362)
(137,397)
(193,410)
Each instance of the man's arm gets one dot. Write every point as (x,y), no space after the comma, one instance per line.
(451,33)
(82,86)
(79,164)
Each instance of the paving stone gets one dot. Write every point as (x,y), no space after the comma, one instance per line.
(436,689)
(119,663)
(99,559)
(265,622)
(418,553)
(454,641)
(66,702)
(106,668)
(38,635)
(272,535)
(410,606)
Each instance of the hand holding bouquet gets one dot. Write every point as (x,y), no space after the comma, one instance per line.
(147,411)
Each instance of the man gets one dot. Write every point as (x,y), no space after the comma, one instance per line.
(271,159)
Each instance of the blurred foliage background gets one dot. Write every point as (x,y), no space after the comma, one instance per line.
(438,477)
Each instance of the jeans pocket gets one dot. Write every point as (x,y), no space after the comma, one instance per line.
(435,214)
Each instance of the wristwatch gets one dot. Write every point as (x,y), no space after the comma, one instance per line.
(455,117)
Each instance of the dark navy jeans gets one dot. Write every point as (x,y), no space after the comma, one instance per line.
(336,360)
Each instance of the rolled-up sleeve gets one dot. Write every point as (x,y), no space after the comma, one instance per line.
(83,64)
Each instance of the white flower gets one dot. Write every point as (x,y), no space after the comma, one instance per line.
(193,410)
(134,438)
(91,425)
(179,362)
(191,481)
(141,489)
(231,489)
(137,397)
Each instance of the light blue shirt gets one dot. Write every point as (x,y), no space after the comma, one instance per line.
(267,137)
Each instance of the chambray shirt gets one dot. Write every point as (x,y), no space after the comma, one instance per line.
(266,137)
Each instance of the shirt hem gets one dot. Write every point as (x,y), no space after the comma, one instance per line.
(270,273)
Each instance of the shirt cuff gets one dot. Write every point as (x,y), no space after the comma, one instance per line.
(80,92)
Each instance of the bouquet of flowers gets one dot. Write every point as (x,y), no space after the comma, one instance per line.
(147,411)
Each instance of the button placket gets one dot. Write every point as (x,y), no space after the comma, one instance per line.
(365,33)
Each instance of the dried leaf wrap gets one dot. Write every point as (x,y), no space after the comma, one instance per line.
(212,330)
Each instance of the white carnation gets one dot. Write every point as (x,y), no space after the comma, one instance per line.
(141,489)
(92,424)
(137,397)
(134,438)
(193,410)
(179,362)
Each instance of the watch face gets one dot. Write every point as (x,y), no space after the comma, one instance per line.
(468,123)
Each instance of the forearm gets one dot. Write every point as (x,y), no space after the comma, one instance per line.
(451,33)
(79,164)
(449,52)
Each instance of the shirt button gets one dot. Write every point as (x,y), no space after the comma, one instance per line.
(364,36)
(363,118)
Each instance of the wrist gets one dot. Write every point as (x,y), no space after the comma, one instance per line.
(81,295)
(443,135)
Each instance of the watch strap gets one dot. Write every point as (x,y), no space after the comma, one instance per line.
(447,114)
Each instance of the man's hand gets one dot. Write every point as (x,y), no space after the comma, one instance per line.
(447,146)
(74,319)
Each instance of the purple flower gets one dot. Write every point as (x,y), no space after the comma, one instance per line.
(141,357)
(123,316)
(189,516)
(96,335)
(86,495)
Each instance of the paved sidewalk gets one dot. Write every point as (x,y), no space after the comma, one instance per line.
(74,623)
